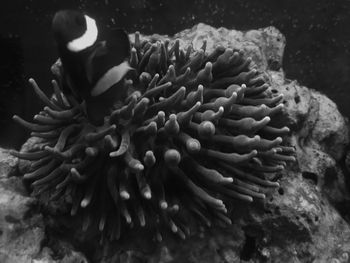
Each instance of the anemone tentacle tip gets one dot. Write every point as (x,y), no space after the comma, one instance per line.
(163,205)
(147,195)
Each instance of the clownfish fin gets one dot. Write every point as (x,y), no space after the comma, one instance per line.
(119,42)
(99,50)
(110,78)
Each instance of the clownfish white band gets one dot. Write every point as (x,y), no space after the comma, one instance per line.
(87,39)
(111,77)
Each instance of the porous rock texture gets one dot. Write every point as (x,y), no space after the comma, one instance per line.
(22,226)
(296,223)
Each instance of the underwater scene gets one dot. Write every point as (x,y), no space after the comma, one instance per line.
(175,131)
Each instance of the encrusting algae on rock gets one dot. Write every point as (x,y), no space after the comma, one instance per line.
(194,129)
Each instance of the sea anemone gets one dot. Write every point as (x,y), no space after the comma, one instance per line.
(193,129)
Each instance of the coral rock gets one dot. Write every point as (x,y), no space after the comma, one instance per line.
(22,228)
(8,164)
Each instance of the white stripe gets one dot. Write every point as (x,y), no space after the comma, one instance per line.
(87,39)
(111,77)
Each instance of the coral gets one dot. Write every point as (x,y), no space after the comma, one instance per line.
(194,129)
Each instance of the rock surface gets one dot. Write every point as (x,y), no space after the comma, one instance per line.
(297,223)
(22,226)
(8,164)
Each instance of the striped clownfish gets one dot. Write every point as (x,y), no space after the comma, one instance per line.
(94,60)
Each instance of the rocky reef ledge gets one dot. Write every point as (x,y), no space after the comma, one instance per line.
(304,220)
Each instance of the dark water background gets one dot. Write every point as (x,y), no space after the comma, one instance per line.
(317,32)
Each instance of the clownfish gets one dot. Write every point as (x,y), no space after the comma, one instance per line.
(95,62)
